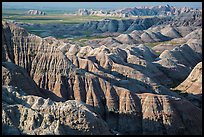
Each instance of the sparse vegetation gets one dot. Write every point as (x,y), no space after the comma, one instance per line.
(83,40)
(21,16)
(153,44)
(158,53)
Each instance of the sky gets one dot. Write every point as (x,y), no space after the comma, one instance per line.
(95,5)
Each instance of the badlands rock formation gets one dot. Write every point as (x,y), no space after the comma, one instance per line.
(24,114)
(192,18)
(127,86)
(193,39)
(176,35)
(192,85)
(160,10)
(24,50)
(162,47)
(36,12)
(112,25)
(178,62)
(16,76)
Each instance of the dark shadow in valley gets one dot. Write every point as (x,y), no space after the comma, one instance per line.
(49,94)
(195,99)
(134,123)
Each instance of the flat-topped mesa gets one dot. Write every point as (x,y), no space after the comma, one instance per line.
(88,12)
(36,12)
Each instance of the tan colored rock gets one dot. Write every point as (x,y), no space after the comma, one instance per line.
(191,87)
(32,115)
(193,83)
(40,57)
(169,115)
(176,63)
(162,47)
(19,46)
(109,79)
(170,32)
(13,75)
(126,39)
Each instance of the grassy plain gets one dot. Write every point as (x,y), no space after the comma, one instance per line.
(21,16)
(53,17)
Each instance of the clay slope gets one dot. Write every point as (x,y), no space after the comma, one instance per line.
(191,87)
(193,83)
(178,63)
(110,41)
(40,57)
(23,114)
(153,34)
(193,39)
(110,25)
(162,47)
(173,115)
(16,76)
(115,63)
(126,39)
(170,32)
(151,114)
(108,79)
(110,64)
(49,58)
(18,46)
(192,18)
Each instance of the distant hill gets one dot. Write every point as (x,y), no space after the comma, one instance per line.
(165,10)
(36,12)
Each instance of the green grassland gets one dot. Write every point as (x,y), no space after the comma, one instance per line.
(65,19)
(51,17)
